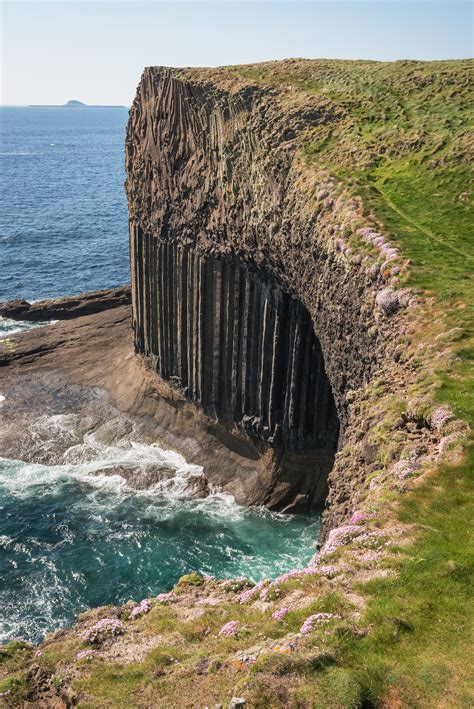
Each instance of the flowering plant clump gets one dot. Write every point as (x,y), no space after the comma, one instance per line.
(439,417)
(341,536)
(296,573)
(328,570)
(105,628)
(357,518)
(251,592)
(369,556)
(163,597)
(388,301)
(403,469)
(280,613)
(230,629)
(209,601)
(312,622)
(237,584)
(376,537)
(142,608)
(85,655)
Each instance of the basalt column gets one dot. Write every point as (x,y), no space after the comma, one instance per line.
(234,341)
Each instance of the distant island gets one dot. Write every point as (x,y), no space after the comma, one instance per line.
(72,104)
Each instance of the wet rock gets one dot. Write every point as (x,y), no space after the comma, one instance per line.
(139,478)
(68,307)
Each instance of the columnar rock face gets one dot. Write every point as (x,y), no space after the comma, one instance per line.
(234,341)
(230,230)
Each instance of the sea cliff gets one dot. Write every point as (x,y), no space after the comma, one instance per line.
(339,189)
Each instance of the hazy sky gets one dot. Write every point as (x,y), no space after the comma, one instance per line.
(95,51)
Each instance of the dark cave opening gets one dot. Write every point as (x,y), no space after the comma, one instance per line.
(235,342)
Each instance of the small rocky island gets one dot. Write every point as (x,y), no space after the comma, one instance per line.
(72,104)
(298,326)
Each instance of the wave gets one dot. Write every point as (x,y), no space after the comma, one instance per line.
(81,534)
(10,327)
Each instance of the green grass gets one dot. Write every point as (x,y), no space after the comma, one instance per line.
(403,143)
(422,621)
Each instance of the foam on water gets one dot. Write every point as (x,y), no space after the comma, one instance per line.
(10,327)
(78,535)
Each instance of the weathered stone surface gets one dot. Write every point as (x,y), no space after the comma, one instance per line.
(68,307)
(214,170)
(246,352)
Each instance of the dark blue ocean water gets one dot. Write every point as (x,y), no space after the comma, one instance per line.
(63,212)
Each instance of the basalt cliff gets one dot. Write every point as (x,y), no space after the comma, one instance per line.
(246,296)
(301,273)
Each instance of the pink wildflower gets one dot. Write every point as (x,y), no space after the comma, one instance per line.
(279,614)
(313,620)
(105,628)
(371,537)
(439,417)
(142,608)
(162,597)
(357,518)
(85,655)
(251,592)
(340,536)
(38,653)
(403,469)
(209,601)
(230,629)
(328,570)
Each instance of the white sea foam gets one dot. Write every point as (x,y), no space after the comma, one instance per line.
(9,327)
(88,459)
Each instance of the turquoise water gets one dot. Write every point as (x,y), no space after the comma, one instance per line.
(72,540)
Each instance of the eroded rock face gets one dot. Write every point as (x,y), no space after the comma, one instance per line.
(214,169)
(235,342)
(66,308)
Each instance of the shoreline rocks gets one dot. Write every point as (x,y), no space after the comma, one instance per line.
(67,307)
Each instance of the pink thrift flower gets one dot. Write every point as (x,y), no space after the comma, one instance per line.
(314,620)
(142,608)
(209,601)
(357,518)
(85,655)
(230,629)
(103,629)
(162,597)
(251,592)
(279,614)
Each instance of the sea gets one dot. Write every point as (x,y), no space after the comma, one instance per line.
(71,539)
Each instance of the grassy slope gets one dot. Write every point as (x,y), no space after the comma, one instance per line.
(406,147)
(402,144)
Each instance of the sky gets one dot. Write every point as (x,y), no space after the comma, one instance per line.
(94,51)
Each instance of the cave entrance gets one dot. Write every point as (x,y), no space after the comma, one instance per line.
(236,343)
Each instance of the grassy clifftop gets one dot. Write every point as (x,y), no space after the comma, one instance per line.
(391,597)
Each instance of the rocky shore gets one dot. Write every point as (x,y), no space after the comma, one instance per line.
(66,308)
(85,366)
